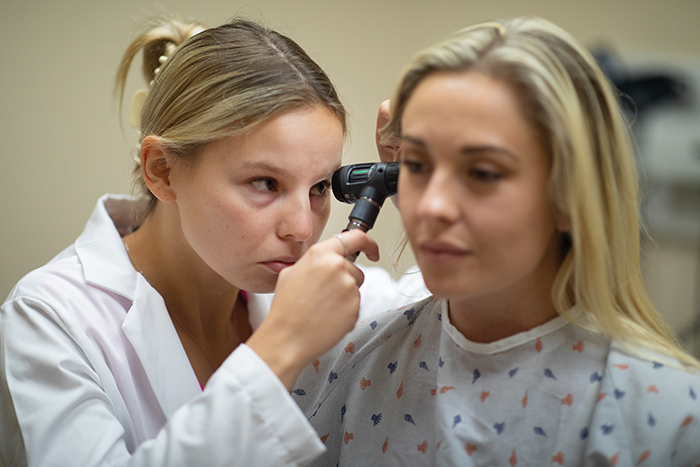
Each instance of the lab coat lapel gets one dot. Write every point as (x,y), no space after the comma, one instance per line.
(151,332)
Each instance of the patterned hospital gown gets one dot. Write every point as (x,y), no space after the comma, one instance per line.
(407,389)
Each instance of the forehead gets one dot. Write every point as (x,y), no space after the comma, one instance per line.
(464,109)
(453,95)
(297,140)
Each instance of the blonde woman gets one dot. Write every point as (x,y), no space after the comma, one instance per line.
(138,345)
(518,193)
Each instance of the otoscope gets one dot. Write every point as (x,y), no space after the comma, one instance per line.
(365,185)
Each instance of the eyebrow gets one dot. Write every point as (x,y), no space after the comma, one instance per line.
(466,150)
(279,170)
(264,166)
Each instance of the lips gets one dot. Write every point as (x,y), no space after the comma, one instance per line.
(278,264)
(442,252)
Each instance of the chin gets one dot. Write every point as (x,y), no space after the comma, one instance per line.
(260,288)
(257,284)
(446,287)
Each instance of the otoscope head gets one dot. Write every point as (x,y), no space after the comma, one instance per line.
(366,185)
(380,177)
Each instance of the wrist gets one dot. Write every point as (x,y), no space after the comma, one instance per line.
(279,355)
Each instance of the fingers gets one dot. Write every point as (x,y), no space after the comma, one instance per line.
(384,114)
(316,302)
(388,149)
(346,248)
(355,241)
(358,275)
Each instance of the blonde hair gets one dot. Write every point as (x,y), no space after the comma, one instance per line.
(207,84)
(593,179)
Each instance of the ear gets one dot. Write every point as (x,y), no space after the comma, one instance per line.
(155,168)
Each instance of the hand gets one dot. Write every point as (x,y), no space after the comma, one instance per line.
(317,302)
(389,150)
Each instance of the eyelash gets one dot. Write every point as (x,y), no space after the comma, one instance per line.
(413,166)
(480,174)
(267,182)
(485,175)
(324,189)
(270,184)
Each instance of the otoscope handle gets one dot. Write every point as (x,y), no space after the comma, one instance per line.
(364,210)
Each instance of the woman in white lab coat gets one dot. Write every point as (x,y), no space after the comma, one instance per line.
(138,344)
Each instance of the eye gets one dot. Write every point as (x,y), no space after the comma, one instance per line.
(485,175)
(413,166)
(264,184)
(321,189)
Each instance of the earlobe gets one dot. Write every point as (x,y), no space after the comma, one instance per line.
(155,168)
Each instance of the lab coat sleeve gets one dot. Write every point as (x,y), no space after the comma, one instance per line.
(265,433)
(55,412)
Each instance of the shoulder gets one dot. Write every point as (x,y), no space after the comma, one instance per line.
(61,276)
(652,376)
(380,292)
(57,295)
(653,404)
(42,306)
(373,338)
(386,329)
(397,317)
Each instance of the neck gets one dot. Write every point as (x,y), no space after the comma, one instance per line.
(511,309)
(485,323)
(160,252)
(206,310)
(492,317)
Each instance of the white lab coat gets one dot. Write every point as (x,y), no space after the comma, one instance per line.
(92,372)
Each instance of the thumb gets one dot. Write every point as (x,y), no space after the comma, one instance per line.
(357,240)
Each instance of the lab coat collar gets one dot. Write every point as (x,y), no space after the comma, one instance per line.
(100,249)
(147,324)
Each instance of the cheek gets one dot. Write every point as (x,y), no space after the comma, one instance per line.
(525,232)
(406,202)
(519,215)
(214,220)
(407,215)
(320,212)
(214,231)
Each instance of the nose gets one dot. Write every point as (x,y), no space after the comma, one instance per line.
(296,218)
(439,200)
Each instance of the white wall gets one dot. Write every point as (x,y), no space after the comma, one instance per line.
(62,146)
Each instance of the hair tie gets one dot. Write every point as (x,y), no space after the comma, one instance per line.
(168,50)
(162,59)
(139,97)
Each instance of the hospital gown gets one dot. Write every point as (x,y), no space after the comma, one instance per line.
(406,388)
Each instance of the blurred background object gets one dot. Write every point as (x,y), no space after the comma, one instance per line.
(660,93)
(62,145)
